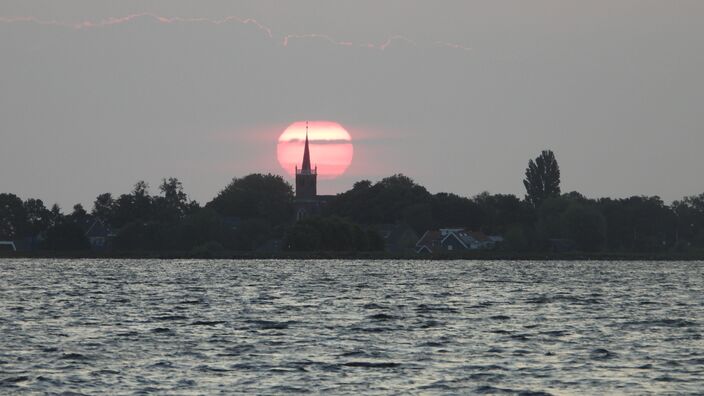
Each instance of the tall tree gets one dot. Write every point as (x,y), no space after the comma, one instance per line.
(542,178)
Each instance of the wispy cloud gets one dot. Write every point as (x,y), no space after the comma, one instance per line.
(283,39)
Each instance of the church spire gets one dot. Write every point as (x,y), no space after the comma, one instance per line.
(306,183)
(306,155)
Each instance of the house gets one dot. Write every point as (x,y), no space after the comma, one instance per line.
(455,239)
(429,242)
(7,246)
(98,234)
(398,238)
(461,239)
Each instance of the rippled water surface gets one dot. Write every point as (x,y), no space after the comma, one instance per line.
(350,327)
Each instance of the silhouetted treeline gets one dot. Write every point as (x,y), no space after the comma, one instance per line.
(331,233)
(255,212)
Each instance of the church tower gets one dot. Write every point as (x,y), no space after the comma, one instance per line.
(306,178)
(307,202)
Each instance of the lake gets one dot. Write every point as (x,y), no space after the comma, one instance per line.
(350,327)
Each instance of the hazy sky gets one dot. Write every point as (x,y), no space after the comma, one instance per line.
(459,99)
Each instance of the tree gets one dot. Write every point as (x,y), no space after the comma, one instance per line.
(174,204)
(139,236)
(38,216)
(134,207)
(501,211)
(141,200)
(419,217)
(550,222)
(260,196)
(173,192)
(303,238)
(66,236)
(451,210)
(376,242)
(515,239)
(384,202)
(331,234)
(104,208)
(197,228)
(252,233)
(638,223)
(55,215)
(690,220)
(356,204)
(79,215)
(13,217)
(586,226)
(542,178)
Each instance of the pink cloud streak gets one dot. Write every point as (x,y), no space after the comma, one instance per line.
(284,40)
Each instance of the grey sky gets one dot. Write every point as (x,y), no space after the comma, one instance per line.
(615,88)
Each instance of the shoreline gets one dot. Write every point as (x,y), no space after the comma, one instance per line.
(243,255)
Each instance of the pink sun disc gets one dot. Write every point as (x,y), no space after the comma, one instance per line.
(331,148)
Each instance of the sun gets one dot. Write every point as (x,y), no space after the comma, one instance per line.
(330,145)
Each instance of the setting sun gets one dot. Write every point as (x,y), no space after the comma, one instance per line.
(331,148)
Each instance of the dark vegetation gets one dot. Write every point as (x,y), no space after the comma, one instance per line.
(255,214)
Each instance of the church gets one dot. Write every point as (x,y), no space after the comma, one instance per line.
(307,202)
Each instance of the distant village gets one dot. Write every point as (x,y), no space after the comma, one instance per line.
(263,213)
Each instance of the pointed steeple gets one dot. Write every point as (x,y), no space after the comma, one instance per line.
(306,177)
(306,155)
